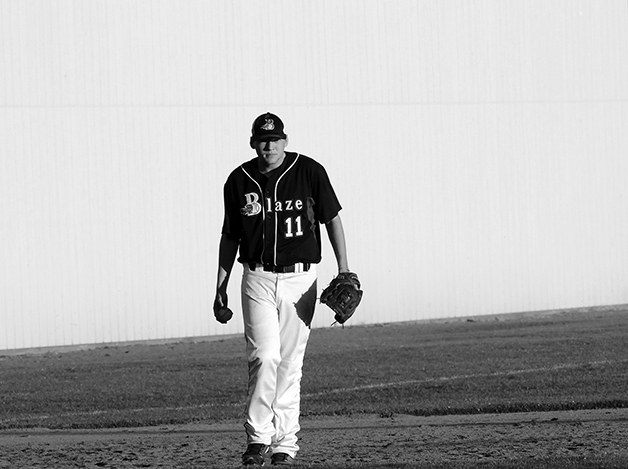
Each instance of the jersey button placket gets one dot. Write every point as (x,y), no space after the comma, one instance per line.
(269,228)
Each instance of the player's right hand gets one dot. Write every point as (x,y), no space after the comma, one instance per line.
(223,315)
(221,312)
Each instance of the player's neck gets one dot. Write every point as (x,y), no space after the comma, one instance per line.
(265,167)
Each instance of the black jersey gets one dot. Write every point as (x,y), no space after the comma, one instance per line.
(276,216)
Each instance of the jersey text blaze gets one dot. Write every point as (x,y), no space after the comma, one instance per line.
(286,205)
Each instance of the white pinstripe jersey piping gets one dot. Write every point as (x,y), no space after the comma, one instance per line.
(264,208)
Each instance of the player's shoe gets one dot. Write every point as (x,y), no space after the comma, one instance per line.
(282,459)
(254,454)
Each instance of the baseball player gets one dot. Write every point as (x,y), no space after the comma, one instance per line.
(274,205)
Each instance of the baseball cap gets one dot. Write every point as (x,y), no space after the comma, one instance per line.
(267,126)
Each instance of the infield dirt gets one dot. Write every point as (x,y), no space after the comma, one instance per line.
(436,441)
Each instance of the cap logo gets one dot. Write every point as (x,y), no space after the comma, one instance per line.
(269,125)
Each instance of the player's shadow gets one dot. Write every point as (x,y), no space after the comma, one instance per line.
(306,304)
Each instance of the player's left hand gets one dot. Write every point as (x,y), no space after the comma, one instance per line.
(343,295)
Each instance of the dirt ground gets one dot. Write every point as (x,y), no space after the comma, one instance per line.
(333,440)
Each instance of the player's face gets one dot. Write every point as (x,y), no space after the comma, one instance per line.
(270,152)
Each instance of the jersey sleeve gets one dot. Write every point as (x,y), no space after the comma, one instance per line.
(326,205)
(231,225)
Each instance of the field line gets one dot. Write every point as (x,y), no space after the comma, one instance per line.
(365,387)
(444,379)
(88,413)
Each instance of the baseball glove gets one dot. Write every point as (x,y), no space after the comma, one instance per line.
(343,295)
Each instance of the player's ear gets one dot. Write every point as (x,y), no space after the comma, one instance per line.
(286,141)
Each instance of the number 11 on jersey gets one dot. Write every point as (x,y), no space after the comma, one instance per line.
(293,224)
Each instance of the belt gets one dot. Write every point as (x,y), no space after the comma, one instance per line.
(281,269)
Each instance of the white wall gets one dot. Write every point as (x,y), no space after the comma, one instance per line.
(479,150)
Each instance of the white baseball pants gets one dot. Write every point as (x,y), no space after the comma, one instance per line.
(278,310)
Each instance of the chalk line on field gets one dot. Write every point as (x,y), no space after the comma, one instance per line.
(365,387)
(136,410)
(412,382)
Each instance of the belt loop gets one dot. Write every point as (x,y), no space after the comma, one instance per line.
(301,267)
